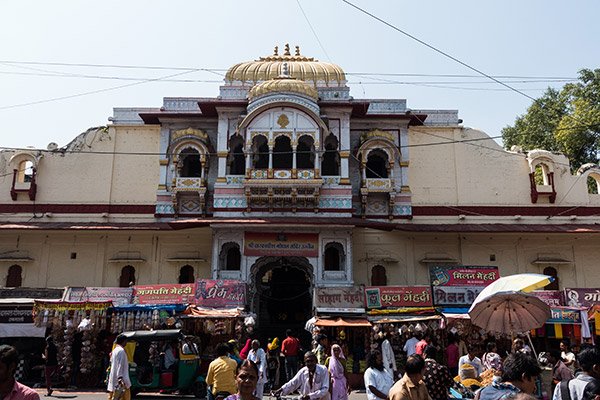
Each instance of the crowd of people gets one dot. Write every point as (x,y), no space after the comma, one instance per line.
(320,374)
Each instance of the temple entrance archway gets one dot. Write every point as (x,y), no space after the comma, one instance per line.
(281,296)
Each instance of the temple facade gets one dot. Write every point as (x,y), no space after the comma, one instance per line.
(288,183)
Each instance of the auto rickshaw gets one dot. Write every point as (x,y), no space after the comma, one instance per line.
(165,361)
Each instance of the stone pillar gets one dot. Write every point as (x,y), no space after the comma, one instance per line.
(294,168)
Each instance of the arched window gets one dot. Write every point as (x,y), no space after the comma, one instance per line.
(305,153)
(551,271)
(230,258)
(260,152)
(377,164)
(282,153)
(541,174)
(186,274)
(378,276)
(25,171)
(236,159)
(593,184)
(14,277)
(127,277)
(334,257)
(331,158)
(191,167)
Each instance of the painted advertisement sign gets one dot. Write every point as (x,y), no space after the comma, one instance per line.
(564,316)
(551,297)
(455,295)
(398,296)
(582,297)
(164,294)
(118,295)
(281,244)
(463,275)
(16,313)
(340,297)
(219,293)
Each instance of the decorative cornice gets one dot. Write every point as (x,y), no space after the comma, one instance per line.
(189,132)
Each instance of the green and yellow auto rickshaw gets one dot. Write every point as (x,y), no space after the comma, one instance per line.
(164,361)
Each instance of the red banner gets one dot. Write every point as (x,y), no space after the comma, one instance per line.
(281,244)
(164,294)
(463,276)
(398,296)
(220,293)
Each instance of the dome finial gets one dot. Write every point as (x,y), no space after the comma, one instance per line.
(276,51)
(287,50)
(285,73)
(297,50)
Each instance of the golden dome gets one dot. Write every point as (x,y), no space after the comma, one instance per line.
(300,67)
(284,84)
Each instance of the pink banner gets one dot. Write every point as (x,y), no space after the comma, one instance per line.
(164,294)
(463,276)
(551,297)
(220,293)
(398,296)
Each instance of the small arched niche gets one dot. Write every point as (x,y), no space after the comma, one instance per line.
(230,257)
(127,277)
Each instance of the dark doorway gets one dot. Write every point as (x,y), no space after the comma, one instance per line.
(283,299)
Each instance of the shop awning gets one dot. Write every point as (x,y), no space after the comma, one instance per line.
(21,330)
(199,312)
(347,322)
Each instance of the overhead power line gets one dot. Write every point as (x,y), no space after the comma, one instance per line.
(437,50)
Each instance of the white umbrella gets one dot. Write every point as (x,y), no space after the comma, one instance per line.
(515,283)
(509,312)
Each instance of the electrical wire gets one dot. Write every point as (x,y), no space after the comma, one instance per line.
(313,31)
(438,50)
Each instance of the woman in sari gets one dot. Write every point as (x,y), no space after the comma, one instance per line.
(337,372)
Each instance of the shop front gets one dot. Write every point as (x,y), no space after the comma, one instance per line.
(401,313)
(340,314)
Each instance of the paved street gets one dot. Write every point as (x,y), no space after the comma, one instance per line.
(98,395)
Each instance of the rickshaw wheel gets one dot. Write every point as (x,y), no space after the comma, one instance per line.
(199,390)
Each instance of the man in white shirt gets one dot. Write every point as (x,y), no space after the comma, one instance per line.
(410,347)
(377,382)
(259,357)
(472,360)
(589,361)
(389,359)
(312,381)
(567,356)
(119,370)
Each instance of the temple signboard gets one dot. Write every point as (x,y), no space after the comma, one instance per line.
(398,296)
(281,244)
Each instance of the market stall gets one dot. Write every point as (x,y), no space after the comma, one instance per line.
(340,314)
(403,312)
(216,314)
(79,330)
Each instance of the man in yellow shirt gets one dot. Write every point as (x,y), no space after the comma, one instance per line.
(221,373)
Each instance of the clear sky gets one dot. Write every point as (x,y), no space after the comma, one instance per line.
(531,39)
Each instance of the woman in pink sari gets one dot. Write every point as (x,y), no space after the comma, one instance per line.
(337,372)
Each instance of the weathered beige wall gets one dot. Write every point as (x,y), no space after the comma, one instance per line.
(480,172)
(401,253)
(88,177)
(52,265)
